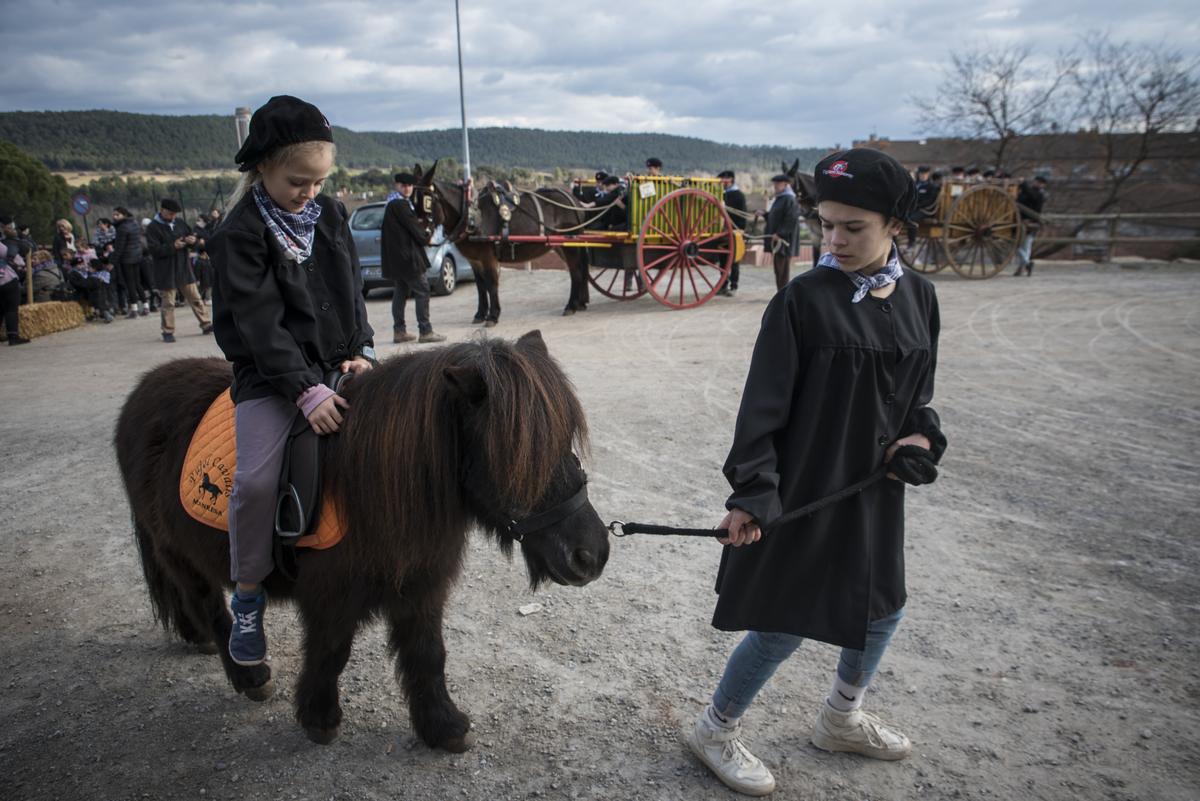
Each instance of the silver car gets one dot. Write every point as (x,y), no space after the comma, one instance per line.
(447,266)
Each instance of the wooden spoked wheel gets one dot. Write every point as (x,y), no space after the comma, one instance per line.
(925,256)
(617,283)
(686,248)
(982,232)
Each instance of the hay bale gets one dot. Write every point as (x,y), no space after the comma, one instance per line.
(40,319)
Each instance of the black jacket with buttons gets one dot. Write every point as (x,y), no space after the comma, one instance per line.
(283,325)
(831,384)
(402,241)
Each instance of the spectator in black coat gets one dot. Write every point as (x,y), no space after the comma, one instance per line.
(127,255)
(735,203)
(782,218)
(10,296)
(168,238)
(403,261)
(1031,198)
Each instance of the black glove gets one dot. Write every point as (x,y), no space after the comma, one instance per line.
(914,465)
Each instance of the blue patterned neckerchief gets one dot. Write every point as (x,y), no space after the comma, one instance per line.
(889,274)
(393,195)
(293,232)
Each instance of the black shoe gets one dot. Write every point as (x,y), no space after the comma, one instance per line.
(206,329)
(168,337)
(17,339)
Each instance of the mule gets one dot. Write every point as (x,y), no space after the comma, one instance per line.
(481,434)
(806,195)
(544,211)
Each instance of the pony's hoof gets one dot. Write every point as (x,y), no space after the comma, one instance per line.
(206,648)
(477,320)
(491,323)
(568,312)
(458,745)
(262,692)
(322,736)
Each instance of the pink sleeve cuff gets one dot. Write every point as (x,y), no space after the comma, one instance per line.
(312,397)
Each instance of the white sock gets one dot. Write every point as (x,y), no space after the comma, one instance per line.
(718,720)
(845,697)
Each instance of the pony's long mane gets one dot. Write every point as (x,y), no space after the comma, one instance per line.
(395,466)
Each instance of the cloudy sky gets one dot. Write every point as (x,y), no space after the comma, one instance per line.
(743,71)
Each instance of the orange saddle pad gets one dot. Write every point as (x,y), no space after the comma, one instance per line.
(207,477)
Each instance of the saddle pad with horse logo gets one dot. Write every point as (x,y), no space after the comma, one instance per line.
(207,477)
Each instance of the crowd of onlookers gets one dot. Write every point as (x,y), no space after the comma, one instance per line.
(125,270)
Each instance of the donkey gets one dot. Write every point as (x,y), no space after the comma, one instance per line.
(806,195)
(474,434)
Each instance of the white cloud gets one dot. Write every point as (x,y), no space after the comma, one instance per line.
(750,71)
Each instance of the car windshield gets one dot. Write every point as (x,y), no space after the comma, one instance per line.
(368,218)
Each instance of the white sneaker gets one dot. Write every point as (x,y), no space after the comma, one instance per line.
(858,732)
(722,750)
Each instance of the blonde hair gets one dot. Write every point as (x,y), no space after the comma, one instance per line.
(283,155)
(64,224)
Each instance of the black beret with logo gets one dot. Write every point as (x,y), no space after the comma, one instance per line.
(866,179)
(283,120)
(653,162)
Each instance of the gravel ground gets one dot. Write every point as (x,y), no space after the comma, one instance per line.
(1050,649)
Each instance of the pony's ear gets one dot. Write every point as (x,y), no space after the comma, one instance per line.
(466,382)
(783,166)
(795,166)
(533,341)
(432,170)
(418,171)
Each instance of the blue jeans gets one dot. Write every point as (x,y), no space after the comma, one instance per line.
(760,653)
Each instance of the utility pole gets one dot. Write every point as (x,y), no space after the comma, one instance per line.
(241,120)
(462,100)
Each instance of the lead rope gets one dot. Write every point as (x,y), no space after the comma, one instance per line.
(621,529)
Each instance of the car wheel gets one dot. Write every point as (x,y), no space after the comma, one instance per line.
(447,277)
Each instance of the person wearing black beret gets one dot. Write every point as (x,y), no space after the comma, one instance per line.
(838,389)
(402,257)
(288,309)
(168,241)
(782,219)
(735,204)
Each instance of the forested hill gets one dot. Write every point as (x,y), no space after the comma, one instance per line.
(118,141)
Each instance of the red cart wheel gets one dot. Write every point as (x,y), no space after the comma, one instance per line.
(617,283)
(686,248)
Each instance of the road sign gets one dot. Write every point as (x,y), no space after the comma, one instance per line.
(81,204)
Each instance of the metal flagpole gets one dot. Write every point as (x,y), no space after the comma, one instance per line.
(462,100)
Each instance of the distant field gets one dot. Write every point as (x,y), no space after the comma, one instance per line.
(78,178)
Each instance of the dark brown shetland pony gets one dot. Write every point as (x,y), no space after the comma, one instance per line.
(434,443)
(539,213)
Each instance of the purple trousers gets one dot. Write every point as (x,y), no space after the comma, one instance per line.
(262,427)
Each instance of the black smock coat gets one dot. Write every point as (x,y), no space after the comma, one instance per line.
(831,385)
(127,247)
(736,199)
(782,218)
(402,242)
(171,267)
(284,325)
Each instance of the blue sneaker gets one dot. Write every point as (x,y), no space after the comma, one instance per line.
(248,640)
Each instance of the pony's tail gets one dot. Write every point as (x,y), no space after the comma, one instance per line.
(164,598)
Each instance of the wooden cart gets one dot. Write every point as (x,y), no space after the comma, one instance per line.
(975,228)
(679,247)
